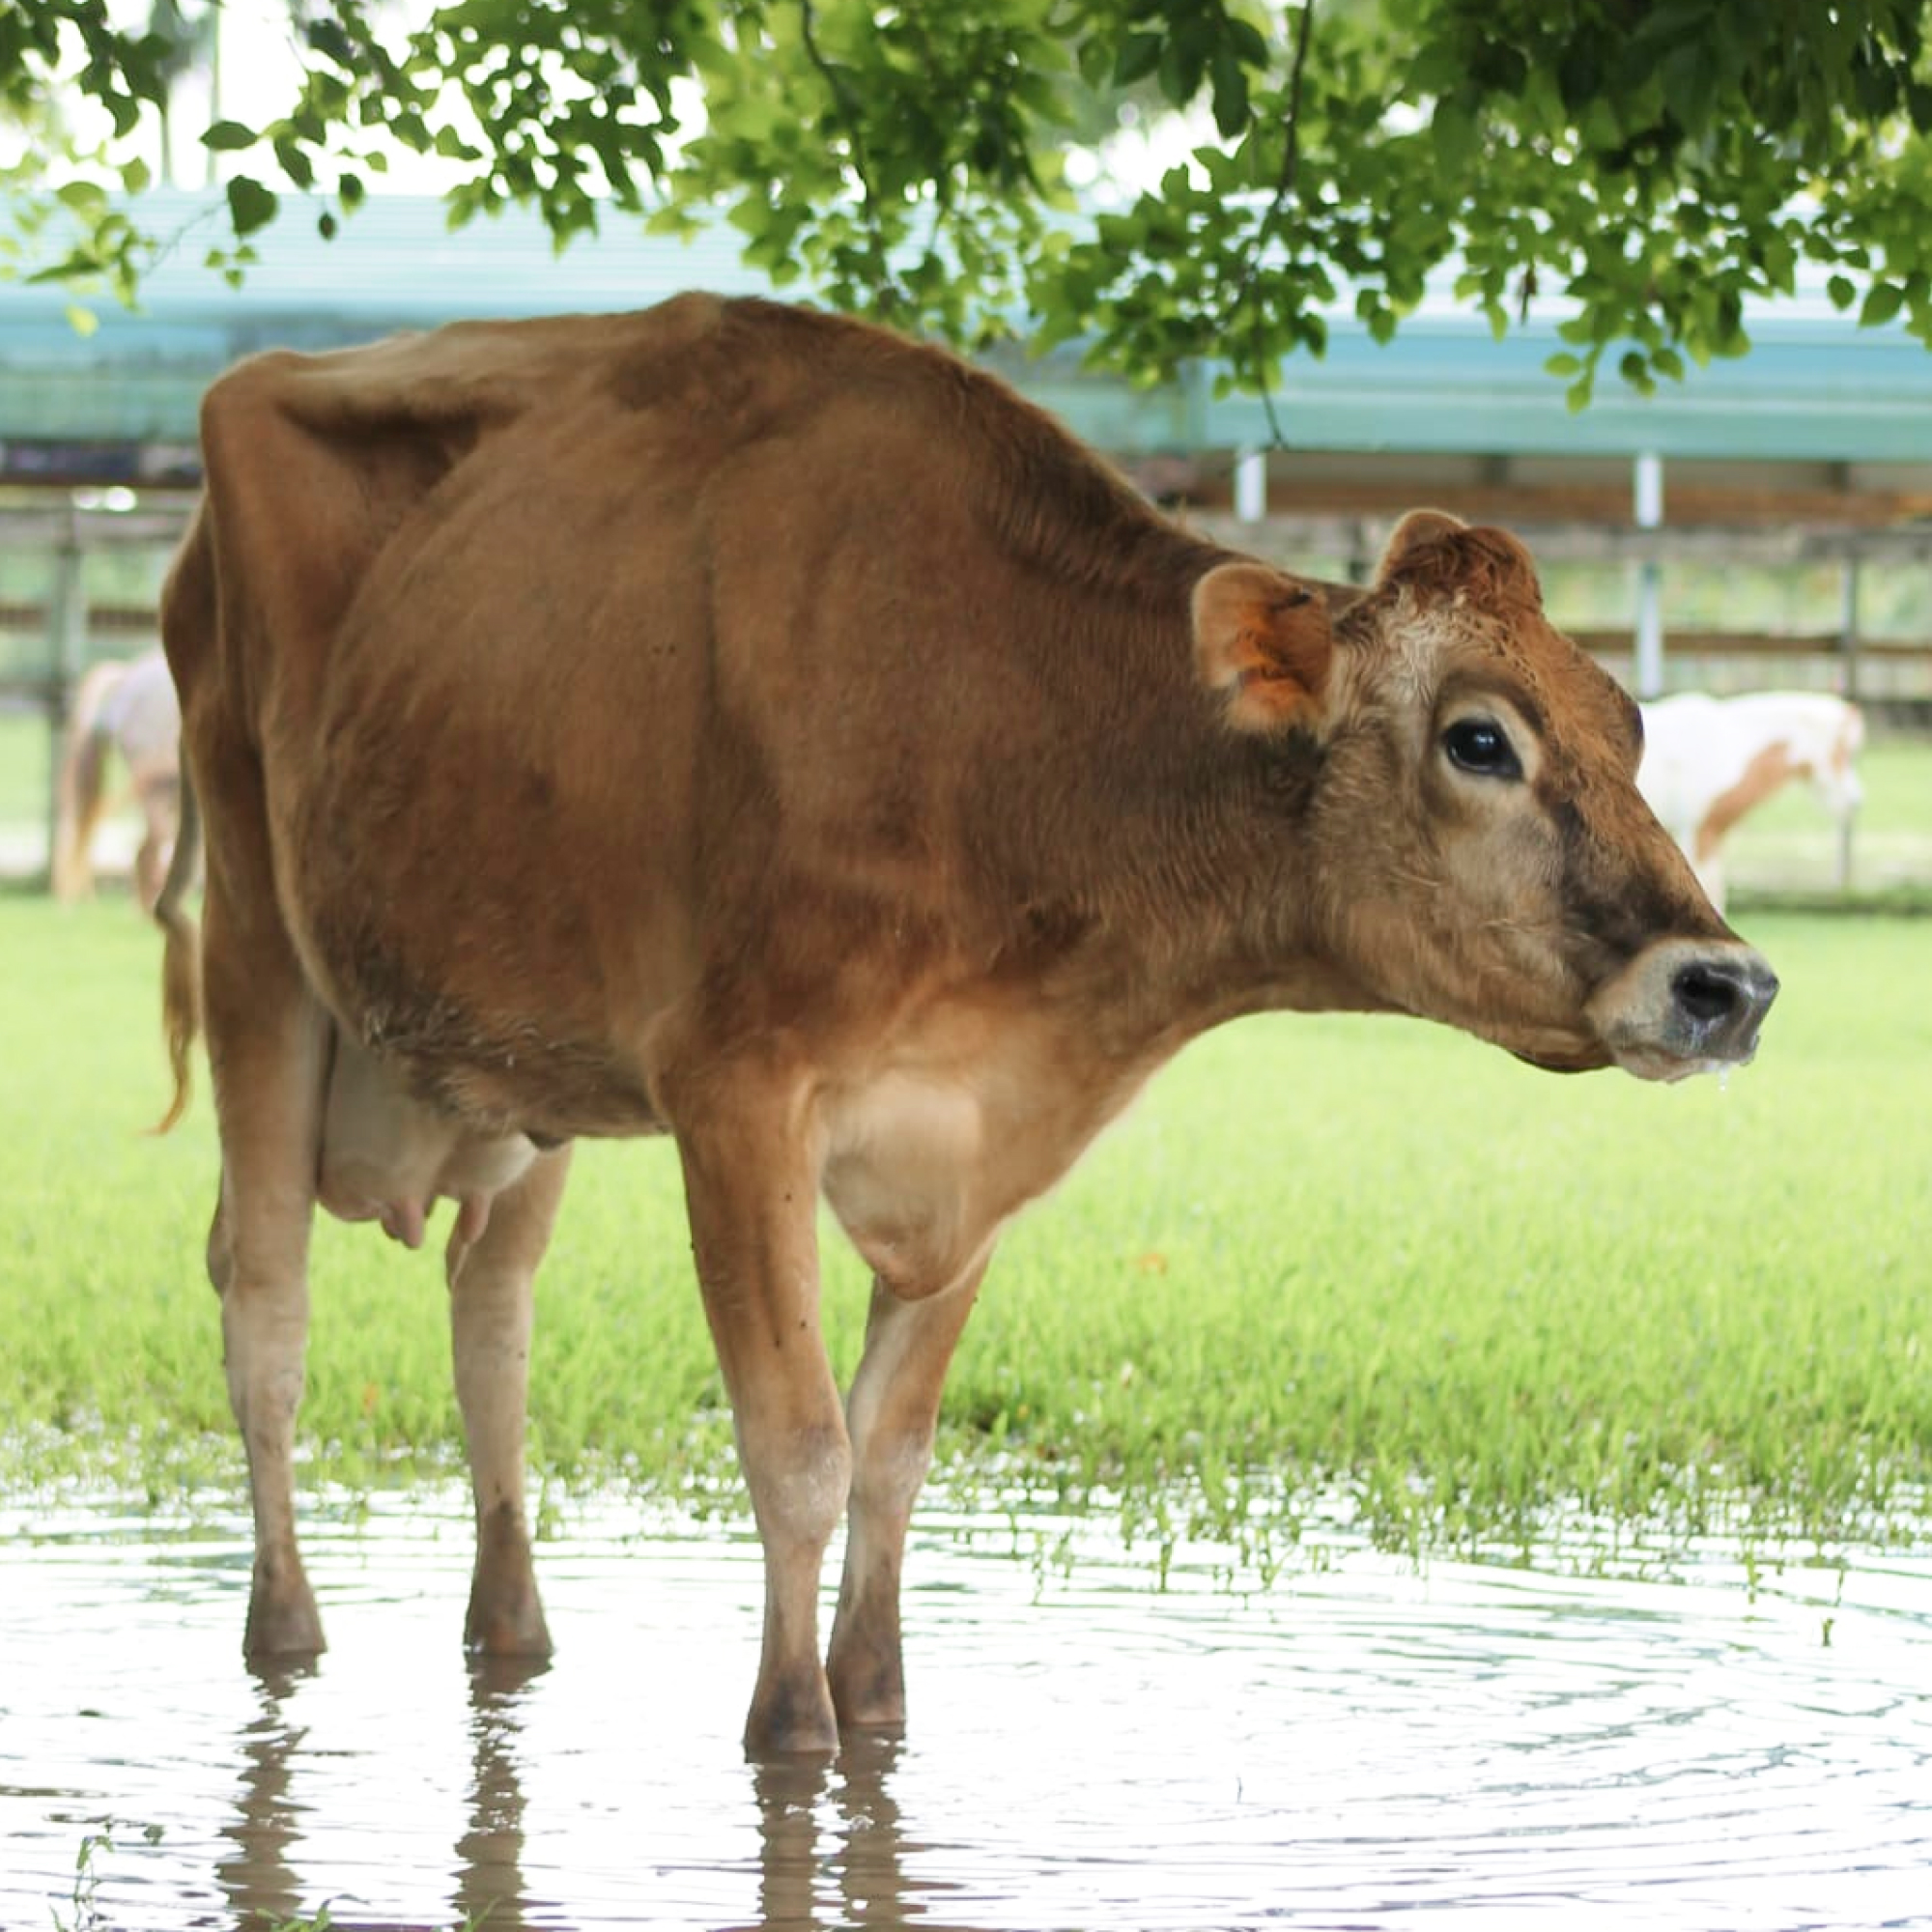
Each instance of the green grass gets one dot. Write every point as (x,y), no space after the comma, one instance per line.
(1324,1259)
(26,767)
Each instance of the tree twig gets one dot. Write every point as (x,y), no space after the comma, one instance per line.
(1284,193)
(854,136)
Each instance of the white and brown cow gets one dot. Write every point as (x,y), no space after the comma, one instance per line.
(1707,761)
(125,706)
(740,724)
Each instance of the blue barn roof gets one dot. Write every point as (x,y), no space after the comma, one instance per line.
(1814,388)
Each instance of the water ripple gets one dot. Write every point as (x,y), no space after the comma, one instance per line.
(1734,1749)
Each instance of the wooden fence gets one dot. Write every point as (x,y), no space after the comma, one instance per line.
(1891,676)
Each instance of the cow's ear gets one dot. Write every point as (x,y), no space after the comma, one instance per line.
(1431,550)
(1410,545)
(1263,641)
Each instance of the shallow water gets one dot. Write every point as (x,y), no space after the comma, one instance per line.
(1351,1746)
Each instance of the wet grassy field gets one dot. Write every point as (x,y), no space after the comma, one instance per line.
(1327,1264)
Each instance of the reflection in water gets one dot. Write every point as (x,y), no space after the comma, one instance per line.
(1354,1745)
(828,1834)
(835,1822)
(256,1877)
(489,1855)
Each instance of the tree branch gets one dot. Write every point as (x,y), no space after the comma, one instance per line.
(1284,193)
(854,136)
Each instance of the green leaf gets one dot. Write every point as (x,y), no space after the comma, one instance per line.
(295,163)
(1563,365)
(1882,303)
(1179,70)
(1248,41)
(1139,56)
(85,198)
(1843,290)
(1453,129)
(1230,94)
(326,38)
(250,205)
(228,138)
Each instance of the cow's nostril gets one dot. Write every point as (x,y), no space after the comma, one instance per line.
(1706,991)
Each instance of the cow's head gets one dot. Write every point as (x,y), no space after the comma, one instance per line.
(1472,844)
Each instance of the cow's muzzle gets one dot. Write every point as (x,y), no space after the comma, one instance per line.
(1685,1007)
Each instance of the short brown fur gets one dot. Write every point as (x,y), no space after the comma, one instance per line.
(739,722)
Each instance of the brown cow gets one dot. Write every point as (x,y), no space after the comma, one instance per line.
(737,723)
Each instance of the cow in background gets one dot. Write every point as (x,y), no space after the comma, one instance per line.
(742,725)
(1707,761)
(129,708)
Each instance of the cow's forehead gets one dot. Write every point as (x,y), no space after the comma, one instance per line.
(1510,646)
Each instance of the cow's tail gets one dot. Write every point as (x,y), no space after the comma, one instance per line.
(80,790)
(181,957)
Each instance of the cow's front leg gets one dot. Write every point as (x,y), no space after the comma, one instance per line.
(892,1412)
(489,1318)
(266,1043)
(751,1189)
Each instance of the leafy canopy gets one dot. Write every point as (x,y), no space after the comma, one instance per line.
(1651,162)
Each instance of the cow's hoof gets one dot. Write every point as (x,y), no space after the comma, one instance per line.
(505,1617)
(282,1627)
(869,1699)
(792,1722)
(506,1628)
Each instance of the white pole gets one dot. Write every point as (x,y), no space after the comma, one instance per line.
(1251,485)
(1648,665)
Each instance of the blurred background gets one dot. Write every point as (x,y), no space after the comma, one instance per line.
(1766,524)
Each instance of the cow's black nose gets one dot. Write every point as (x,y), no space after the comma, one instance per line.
(1707,991)
(1724,997)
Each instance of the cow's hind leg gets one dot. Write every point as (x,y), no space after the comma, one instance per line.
(752,1192)
(892,1411)
(489,1313)
(267,1055)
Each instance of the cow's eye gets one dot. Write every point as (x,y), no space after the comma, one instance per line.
(1482,746)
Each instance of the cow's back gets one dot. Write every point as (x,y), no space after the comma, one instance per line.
(587,657)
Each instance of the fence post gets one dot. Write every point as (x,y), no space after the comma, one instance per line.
(67,643)
(1848,622)
(1647,667)
(1251,485)
(1848,648)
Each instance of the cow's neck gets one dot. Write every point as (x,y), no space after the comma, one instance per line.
(1156,877)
